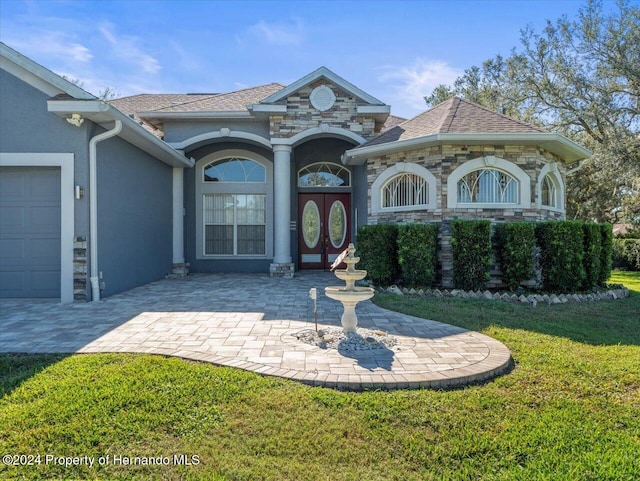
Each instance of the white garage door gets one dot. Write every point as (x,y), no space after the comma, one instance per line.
(29,232)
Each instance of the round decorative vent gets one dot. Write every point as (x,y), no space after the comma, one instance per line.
(322,98)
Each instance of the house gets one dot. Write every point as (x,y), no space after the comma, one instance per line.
(266,179)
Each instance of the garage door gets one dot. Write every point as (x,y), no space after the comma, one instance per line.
(29,232)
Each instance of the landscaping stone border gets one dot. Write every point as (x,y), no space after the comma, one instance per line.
(531,299)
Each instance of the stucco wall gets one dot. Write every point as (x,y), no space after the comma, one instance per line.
(134,216)
(26,127)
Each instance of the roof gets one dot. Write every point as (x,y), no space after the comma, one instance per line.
(142,102)
(454,116)
(232,101)
(391,122)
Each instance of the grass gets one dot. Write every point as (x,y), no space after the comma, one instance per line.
(569,410)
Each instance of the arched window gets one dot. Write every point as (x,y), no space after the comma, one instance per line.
(235,195)
(488,186)
(488,182)
(405,189)
(324,174)
(549,192)
(234,169)
(550,188)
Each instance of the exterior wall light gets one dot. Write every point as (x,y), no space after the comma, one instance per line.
(76,119)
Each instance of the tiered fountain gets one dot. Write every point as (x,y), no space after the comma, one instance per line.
(351,294)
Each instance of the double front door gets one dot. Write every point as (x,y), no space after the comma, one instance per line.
(324,228)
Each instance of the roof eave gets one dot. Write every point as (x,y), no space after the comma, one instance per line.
(196,115)
(555,143)
(103,114)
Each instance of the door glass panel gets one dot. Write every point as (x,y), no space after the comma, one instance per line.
(337,224)
(311,224)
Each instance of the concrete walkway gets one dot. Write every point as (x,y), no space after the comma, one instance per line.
(249,321)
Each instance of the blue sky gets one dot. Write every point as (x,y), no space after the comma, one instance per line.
(396,51)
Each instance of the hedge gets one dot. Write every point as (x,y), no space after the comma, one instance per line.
(515,249)
(561,255)
(626,254)
(606,253)
(471,245)
(378,252)
(417,253)
(592,254)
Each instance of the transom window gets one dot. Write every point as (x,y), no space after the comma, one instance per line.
(549,192)
(234,224)
(234,169)
(405,189)
(324,174)
(488,186)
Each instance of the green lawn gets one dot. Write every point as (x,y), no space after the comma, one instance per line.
(569,410)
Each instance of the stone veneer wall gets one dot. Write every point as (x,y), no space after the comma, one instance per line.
(80,268)
(441,161)
(301,115)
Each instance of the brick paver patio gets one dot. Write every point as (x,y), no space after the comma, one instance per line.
(249,321)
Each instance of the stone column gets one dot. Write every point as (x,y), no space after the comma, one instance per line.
(282,265)
(179,266)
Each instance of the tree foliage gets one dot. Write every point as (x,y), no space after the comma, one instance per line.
(580,78)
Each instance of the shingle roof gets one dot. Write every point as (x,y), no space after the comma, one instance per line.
(143,102)
(232,101)
(391,122)
(457,116)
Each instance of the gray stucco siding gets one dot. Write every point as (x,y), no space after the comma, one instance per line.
(180,131)
(135,225)
(27,126)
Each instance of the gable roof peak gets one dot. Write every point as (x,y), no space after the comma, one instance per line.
(323,72)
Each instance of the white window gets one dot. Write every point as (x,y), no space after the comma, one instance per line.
(235,224)
(550,188)
(404,187)
(405,190)
(488,186)
(549,192)
(488,182)
(234,170)
(235,199)
(324,174)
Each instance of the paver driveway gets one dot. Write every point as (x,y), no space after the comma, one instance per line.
(249,321)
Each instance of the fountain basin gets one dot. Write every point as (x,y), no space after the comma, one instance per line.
(342,294)
(349,298)
(350,277)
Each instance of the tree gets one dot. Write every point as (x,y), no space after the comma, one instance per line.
(580,78)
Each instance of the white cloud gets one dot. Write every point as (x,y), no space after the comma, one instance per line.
(280,34)
(52,44)
(411,83)
(126,48)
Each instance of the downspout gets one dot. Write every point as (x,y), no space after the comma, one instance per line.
(93,207)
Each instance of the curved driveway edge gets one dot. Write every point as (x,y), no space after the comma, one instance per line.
(249,322)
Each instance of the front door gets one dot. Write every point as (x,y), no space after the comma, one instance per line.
(324,228)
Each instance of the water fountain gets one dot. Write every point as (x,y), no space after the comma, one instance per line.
(350,294)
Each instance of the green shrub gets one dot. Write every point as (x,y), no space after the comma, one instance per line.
(561,255)
(378,252)
(516,243)
(592,254)
(417,253)
(471,245)
(606,231)
(626,254)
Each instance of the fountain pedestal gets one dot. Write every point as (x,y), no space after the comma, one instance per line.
(350,294)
